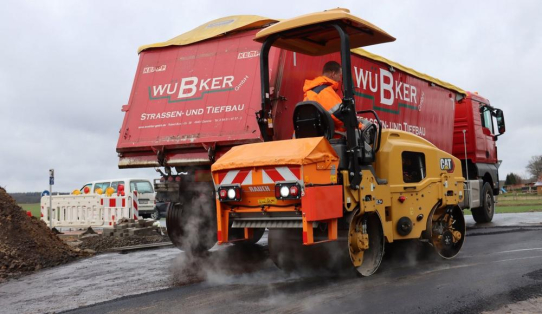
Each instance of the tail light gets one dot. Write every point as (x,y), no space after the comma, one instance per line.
(229,193)
(287,191)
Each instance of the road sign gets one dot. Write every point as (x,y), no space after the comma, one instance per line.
(51,183)
(44,193)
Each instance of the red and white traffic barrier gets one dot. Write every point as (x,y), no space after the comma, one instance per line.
(90,210)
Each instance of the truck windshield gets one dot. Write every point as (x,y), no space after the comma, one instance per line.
(101,185)
(141,186)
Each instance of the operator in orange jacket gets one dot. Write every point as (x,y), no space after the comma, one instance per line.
(323,90)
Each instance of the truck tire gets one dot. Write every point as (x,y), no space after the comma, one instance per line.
(191,226)
(485,212)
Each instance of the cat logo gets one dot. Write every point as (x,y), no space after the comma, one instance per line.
(447,164)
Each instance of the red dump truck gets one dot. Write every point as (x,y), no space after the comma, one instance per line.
(197,95)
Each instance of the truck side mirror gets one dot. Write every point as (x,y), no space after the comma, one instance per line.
(499,116)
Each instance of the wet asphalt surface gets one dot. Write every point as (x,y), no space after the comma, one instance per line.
(499,264)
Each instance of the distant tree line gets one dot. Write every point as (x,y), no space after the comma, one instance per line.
(29,197)
(513,179)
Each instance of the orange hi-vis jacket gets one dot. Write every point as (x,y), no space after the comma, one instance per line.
(323,90)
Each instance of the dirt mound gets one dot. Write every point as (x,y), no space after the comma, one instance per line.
(100,243)
(26,244)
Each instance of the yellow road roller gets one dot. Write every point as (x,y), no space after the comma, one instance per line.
(351,193)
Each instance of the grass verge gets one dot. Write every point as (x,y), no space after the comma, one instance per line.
(34,208)
(499,209)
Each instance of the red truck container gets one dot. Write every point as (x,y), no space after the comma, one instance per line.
(197,95)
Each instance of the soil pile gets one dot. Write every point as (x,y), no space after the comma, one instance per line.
(26,244)
(100,243)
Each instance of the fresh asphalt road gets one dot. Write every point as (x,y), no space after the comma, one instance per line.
(497,266)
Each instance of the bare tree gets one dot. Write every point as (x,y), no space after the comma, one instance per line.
(534,167)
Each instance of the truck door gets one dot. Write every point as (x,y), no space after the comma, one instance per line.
(488,134)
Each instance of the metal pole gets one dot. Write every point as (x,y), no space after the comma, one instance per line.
(50,205)
(465,145)
(51,182)
(467,165)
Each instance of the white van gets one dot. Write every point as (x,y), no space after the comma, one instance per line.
(143,187)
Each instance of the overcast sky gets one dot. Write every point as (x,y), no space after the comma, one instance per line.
(67,67)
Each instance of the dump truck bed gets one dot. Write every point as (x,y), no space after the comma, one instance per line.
(195,97)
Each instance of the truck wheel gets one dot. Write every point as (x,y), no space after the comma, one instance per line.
(191,227)
(365,260)
(485,212)
(448,231)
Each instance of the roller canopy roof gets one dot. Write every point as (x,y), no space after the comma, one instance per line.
(313,35)
(297,152)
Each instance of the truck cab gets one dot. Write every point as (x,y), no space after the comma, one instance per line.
(477,126)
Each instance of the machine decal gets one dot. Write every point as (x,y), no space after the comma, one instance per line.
(235,177)
(267,201)
(276,174)
(263,188)
(154,69)
(269,176)
(446,164)
(391,88)
(186,89)
(248,54)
